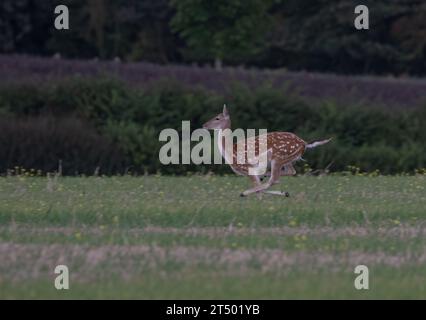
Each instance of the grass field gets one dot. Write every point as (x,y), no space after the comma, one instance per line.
(194,237)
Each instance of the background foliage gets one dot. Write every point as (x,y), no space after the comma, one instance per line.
(295,34)
(113,128)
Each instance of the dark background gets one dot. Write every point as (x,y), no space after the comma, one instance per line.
(314,35)
(94,98)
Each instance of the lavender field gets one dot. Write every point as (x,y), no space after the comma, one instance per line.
(350,90)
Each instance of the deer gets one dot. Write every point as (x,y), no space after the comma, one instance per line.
(283,149)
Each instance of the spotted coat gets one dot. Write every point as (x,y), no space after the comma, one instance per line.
(282,147)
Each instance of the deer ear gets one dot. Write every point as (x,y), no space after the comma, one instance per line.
(225,111)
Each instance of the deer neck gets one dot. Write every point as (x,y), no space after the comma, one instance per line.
(223,136)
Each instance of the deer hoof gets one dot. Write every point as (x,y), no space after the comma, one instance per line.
(286,194)
(242,194)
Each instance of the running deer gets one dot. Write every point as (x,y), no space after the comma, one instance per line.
(282,150)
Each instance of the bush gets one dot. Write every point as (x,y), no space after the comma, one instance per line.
(91,122)
(41,143)
(23,100)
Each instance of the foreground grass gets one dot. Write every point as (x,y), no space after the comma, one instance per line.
(387,283)
(194,237)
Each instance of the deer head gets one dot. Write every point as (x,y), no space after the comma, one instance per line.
(220,122)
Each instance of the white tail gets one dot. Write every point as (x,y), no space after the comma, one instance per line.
(317,143)
(283,148)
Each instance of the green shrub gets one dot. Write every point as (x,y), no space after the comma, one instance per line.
(91,122)
(22,99)
(41,143)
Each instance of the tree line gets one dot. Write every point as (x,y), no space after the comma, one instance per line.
(314,35)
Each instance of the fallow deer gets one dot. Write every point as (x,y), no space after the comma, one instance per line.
(282,148)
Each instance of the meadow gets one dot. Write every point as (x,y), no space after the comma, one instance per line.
(176,237)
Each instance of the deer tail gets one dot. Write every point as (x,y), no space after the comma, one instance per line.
(317,143)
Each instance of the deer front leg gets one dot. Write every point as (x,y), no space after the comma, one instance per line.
(275,174)
(256,182)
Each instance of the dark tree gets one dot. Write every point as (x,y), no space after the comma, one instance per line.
(223,29)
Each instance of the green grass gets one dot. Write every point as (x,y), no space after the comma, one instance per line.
(194,237)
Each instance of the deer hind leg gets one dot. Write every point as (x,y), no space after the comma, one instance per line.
(275,174)
(277,193)
(288,170)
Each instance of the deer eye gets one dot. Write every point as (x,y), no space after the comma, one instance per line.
(217,119)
